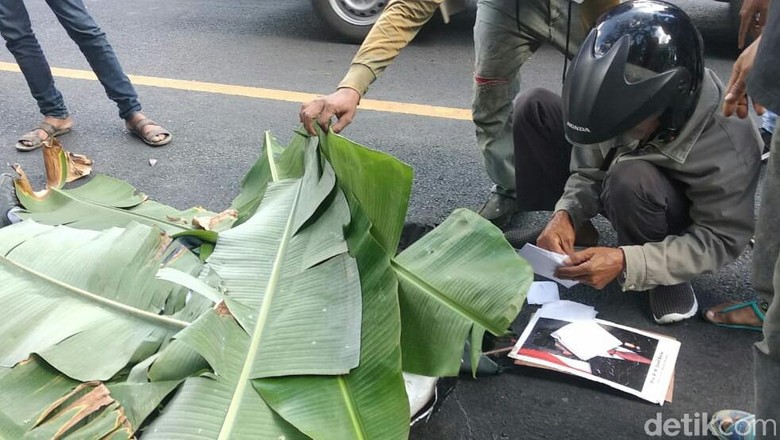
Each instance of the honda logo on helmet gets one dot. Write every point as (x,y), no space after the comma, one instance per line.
(577,127)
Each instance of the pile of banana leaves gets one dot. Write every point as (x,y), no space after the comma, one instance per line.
(287,316)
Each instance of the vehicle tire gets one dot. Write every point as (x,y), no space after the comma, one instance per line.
(350,19)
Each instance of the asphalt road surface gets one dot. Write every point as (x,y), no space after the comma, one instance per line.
(280,45)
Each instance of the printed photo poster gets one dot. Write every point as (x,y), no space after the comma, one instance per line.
(642,364)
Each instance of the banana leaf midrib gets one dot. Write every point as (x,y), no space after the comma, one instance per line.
(403,272)
(271,160)
(256,336)
(103,301)
(129,211)
(353,413)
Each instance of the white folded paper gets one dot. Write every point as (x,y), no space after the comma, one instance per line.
(567,311)
(586,339)
(543,292)
(545,262)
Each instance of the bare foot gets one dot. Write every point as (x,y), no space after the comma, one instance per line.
(34,138)
(151,133)
(737,316)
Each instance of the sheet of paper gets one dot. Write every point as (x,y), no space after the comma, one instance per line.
(543,292)
(567,311)
(545,262)
(647,373)
(586,339)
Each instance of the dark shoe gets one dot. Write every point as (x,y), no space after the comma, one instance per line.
(412,232)
(673,303)
(7,198)
(766,135)
(520,237)
(499,209)
(587,235)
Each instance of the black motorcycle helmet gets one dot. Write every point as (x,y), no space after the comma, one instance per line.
(644,58)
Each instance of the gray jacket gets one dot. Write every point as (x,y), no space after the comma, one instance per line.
(716,158)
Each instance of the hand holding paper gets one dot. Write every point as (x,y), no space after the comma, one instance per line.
(595,267)
(559,234)
(544,262)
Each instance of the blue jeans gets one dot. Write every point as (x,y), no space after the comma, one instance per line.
(769,121)
(73,16)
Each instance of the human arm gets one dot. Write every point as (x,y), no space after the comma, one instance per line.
(395,28)
(579,202)
(581,199)
(736,99)
(720,183)
(752,18)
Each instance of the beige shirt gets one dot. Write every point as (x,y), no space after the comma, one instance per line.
(399,24)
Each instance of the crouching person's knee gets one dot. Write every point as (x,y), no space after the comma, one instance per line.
(630,183)
(536,107)
(643,203)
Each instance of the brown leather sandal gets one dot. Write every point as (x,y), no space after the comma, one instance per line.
(137,129)
(32,140)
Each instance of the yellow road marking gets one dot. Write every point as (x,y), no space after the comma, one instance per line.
(262,93)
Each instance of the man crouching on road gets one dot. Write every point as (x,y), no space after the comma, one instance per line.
(649,149)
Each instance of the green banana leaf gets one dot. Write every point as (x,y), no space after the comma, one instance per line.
(275,164)
(272,270)
(104,202)
(293,349)
(291,163)
(492,273)
(462,277)
(292,307)
(37,402)
(381,184)
(255,182)
(222,405)
(370,402)
(347,406)
(84,300)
